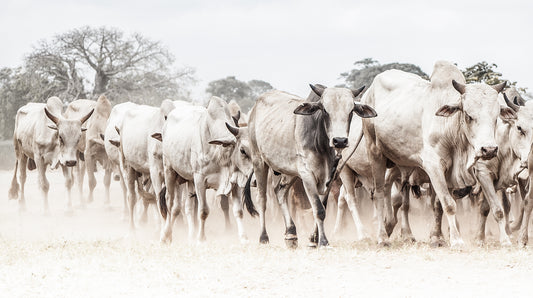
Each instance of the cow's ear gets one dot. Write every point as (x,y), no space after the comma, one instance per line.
(507,114)
(459,87)
(52,126)
(102,137)
(83,129)
(115,143)
(157,136)
(447,110)
(307,108)
(364,111)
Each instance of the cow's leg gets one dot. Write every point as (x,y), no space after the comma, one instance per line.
(319,210)
(80,167)
(261,177)
(407,235)
(487,185)
(170,183)
(436,238)
(125,211)
(238,212)
(69,181)
(90,165)
(107,183)
(438,181)
(203,208)
(348,181)
(14,189)
(291,237)
(224,205)
(515,226)
(341,208)
(484,210)
(528,206)
(22,177)
(506,203)
(391,207)
(176,207)
(379,168)
(43,183)
(190,207)
(131,177)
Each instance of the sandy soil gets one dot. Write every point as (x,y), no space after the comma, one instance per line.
(92,253)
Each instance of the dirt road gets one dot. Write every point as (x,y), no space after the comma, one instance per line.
(92,253)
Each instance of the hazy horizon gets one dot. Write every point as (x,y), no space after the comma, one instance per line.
(292,43)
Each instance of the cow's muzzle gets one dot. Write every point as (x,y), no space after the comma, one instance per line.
(489,152)
(340,142)
(70,163)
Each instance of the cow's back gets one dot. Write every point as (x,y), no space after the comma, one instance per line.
(183,143)
(115,120)
(137,128)
(272,126)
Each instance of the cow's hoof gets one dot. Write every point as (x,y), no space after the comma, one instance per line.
(384,243)
(263,239)
(291,241)
(480,242)
(409,239)
(311,245)
(389,227)
(437,242)
(457,244)
(244,240)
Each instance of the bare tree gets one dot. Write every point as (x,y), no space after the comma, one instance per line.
(131,66)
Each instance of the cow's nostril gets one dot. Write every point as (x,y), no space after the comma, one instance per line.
(489,152)
(70,163)
(340,142)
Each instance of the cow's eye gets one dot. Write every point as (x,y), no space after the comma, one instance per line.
(468,118)
(243,152)
(61,141)
(521,131)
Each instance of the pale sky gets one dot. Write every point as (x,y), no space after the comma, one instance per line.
(293,43)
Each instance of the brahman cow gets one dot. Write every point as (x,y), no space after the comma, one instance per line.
(140,153)
(203,148)
(298,138)
(442,126)
(44,137)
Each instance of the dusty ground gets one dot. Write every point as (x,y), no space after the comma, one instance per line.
(91,253)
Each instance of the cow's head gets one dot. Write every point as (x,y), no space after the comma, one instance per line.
(68,136)
(521,133)
(479,109)
(218,117)
(338,106)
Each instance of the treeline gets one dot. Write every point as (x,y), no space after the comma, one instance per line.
(87,62)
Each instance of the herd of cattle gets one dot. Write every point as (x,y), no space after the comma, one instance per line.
(401,136)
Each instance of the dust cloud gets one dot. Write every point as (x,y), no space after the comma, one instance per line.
(92,253)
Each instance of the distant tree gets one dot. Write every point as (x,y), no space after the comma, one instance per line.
(128,67)
(483,72)
(86,62)
(367,69)
(244,93)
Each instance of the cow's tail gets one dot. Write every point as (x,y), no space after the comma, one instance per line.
(247,197)
(14,190)
(163,203)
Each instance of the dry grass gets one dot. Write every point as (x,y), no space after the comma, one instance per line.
(92,254)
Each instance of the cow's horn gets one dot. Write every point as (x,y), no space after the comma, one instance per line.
(86,117)
(234,130)
(510,104)
(499,87)
(51,116)
(459,87)
(318,89)
(356,92)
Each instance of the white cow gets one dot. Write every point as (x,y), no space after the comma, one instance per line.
(44,137)
(298,138)
(203,148)
(443,127)
(140,153)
